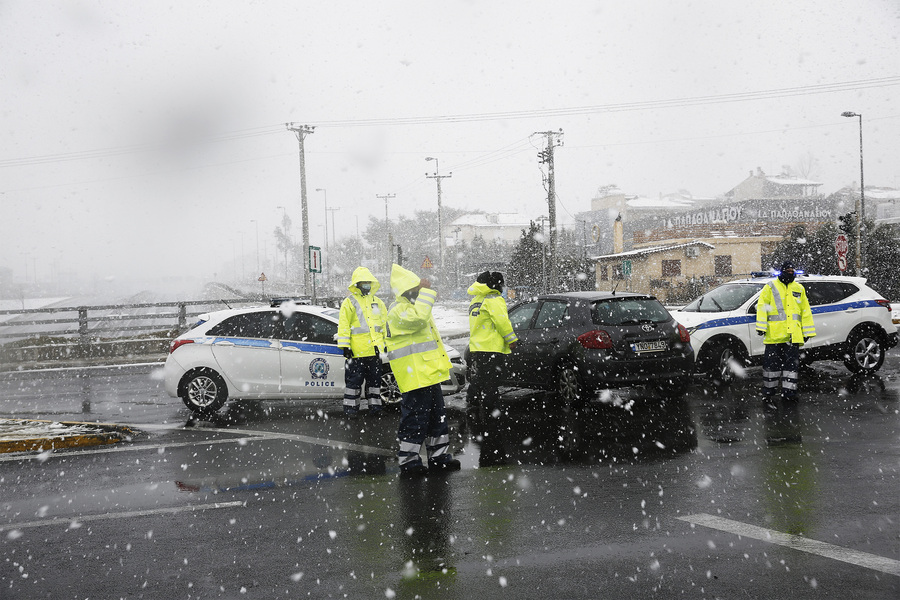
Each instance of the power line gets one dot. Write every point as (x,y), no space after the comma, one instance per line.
(475,117)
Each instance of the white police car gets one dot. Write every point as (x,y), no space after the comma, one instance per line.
(268,352)
(853,323)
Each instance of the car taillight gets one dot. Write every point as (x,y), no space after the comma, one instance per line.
(596,340)
(683,333)
(176,344)
(885,304)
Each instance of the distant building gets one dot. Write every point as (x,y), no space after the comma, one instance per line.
(503,227)
(680,244)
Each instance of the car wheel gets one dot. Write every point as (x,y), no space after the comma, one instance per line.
(719,360)
(865,352)
(204,391)
(390,391)
(574,409)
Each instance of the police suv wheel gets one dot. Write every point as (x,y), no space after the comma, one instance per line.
(718,361)
(390,391)
(865,352)
(203,391)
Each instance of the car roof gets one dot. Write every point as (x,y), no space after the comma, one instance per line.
(230,312)
(590,296)
(803,277)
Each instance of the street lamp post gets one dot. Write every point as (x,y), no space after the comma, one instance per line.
(287,239)
(437,177)
(861,206)
(257,243)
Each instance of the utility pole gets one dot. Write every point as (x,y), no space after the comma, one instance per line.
(302,131)
(554,138)
(437,177)
(390,242)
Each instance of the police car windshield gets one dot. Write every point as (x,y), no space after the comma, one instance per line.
(724,298)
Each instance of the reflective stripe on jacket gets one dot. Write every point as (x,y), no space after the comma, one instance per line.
(489,326)
(362,317)
(783,313)
(414,346)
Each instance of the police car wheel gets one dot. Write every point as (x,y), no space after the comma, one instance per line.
(390,392)
(718,361)
(865,352)
(203,391)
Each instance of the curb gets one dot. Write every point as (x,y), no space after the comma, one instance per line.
(106,433)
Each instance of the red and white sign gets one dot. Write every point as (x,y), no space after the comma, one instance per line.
(842,245)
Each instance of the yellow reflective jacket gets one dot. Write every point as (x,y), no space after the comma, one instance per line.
(414,345)
(489,326)
(783,313)
(362,317)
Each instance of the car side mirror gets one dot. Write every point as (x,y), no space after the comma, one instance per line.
(751,310)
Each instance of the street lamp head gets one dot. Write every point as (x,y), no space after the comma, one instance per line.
(320,189)
(850,114)
(430,158)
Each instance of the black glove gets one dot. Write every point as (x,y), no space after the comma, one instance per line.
(348,353)
(760,333)
(805,339)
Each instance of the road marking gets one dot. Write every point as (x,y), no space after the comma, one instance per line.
(247,436)
(73,521)
(854,557)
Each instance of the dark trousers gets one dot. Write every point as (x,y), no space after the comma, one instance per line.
(361,369)
(484,368)
(423,420)
(781,365)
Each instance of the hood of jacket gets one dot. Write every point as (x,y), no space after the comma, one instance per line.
(402,280)
(481,289)
(363,274)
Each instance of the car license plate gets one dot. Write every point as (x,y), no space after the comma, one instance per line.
(657,346)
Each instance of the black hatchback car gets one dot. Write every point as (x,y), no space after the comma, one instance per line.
(582,343)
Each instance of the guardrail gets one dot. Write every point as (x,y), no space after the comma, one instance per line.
(79,332)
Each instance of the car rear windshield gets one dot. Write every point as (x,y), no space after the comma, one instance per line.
(628,311)
(724,298)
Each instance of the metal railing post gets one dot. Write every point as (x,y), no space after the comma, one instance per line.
(182,316)
(83,337)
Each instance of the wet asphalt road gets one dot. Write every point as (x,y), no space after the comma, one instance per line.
(287,499)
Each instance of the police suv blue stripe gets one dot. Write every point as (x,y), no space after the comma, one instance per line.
(257,343)
(816,310)
(312,347)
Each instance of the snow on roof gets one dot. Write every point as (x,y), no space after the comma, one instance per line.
(882,194)
(664,202)
(786,180)
(653,250)
(493,220)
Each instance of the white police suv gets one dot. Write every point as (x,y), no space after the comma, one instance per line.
(853,323)
(283,351)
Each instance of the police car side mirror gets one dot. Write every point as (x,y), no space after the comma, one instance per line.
(751,310)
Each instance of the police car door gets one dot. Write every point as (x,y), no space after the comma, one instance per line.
(246,348)
(312,366)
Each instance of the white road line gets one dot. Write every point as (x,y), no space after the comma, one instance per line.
(247,436)
(75,521)
(854,557)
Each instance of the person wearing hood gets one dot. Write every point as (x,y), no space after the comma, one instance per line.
(361,337)
(491,336)
(784,317)
(420,364)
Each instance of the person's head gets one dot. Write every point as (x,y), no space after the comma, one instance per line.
(787,274)
(364,287)
(484,277)
(495,281)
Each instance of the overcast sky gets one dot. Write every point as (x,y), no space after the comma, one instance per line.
(144,138)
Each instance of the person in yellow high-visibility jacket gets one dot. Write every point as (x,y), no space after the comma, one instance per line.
(491,336)
(420,364)
(361,337)
(784,317)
